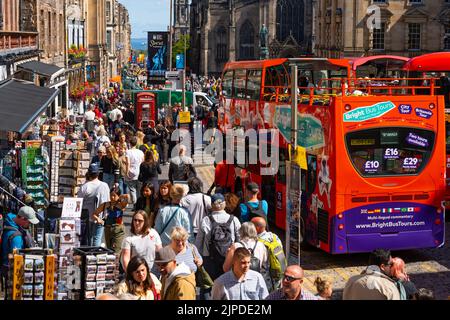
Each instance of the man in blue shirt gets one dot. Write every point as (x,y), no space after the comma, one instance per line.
(259,209)
(16,235)
(240,283)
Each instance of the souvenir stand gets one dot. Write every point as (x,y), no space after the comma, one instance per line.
(32,275)
(99,271)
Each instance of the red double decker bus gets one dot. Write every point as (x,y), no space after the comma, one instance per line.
(375,162)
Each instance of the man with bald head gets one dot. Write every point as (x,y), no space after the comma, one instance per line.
(292,286)
(274,246)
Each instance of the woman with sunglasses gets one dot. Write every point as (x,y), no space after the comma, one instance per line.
(140,283)
(144,241)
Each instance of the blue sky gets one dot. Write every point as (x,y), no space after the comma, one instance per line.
(147,15)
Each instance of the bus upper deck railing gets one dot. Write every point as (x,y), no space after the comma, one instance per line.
(321,94)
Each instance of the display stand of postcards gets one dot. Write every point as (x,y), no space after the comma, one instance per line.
(32,276)
(69,237)
(99,271)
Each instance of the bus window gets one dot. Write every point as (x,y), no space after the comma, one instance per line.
(276,77)
(253,84)
(312,173)
(227,84)
(240,81)
(390,151)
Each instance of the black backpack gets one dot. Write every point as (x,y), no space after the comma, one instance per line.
(256,212)
(255,263)
(220,239)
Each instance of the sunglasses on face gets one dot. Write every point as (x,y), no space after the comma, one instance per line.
(289,278)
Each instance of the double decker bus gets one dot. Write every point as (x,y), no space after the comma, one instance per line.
(375,163)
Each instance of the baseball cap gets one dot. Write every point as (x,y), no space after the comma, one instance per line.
(218,198)
(253,187)
(94,168)
(165,255)
(29,214)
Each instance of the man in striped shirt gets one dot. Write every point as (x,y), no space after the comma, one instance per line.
(292,286)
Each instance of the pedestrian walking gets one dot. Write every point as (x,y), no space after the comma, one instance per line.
(186,253)
(248,238)
(292,288)
(240,283)
(140,283)
(277,259)
(110,215)
(134,159)
(164,194)
(94,193)
(16,235)
(150,170)
(148,201)
(178,281)
(253,207)
(110,167)
(217,232)
(197,203)
(374,283)
(181,167)
(173,215)
(144,241)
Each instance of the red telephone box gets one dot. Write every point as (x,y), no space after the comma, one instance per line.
(145,109)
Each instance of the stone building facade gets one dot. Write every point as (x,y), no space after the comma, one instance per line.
(97,65)
(17,45)
(123,37)
(228,30)
(400,27)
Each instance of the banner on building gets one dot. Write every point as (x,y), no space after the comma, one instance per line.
(157,57)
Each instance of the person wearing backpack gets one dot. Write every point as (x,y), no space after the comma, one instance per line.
(253,207)
(249,240)
(217,232)
(16,235)
(181,167)
(277,258)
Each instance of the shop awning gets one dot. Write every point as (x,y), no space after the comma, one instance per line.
(21,103)
(43,69)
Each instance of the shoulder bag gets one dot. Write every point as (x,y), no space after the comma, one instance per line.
(202,278)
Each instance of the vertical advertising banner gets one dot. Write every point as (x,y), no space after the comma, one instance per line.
(158,52)
(293,205)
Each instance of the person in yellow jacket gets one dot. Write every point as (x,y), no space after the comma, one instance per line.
(178,282)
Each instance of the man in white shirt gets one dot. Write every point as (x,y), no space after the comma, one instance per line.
(133,159)
(94,193)
(89,117)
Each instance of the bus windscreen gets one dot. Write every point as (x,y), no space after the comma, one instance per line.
(390,151)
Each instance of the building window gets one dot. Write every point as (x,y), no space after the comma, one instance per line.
(221,54)
(290,19)
(414,36)
(108,11)
(109,40)
(247,42)
(378,37)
